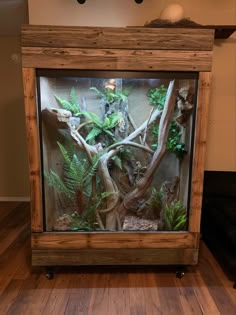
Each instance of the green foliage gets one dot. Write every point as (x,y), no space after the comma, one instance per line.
(72,105)
(157,96)
(100,126)
(77,174)
(175,216)
(55,181)
(156,200)
(173,143)
(109,95)
(85,221)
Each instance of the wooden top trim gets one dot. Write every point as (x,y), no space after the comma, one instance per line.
(118,37)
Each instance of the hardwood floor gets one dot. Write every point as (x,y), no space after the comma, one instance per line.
(128,291)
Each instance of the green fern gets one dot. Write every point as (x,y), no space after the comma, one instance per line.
(78,173)
(72,105)
(55,181)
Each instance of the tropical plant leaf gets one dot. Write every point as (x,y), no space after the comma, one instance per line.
(94,118)
(93,134)
(55,181)
(73,98)
(114,118)
(72,105)
(99,93)
(109,132)
(175,216)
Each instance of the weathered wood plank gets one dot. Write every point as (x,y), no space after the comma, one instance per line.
(33,148)
(118,37)
(114,241)
(199,152)
(116,59)
(160,256)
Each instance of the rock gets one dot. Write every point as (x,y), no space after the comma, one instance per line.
(63,223)
(132,223)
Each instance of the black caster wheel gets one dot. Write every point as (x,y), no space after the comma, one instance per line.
(179,274)
(49,274)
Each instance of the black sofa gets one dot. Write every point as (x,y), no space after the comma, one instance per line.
(218,224)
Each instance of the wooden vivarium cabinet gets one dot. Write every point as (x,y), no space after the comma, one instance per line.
(116,126)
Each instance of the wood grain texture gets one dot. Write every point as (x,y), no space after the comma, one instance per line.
(204,290)
(159,256)
(116,59)
(117,37)
(199,151)
(33,148)
(70,240)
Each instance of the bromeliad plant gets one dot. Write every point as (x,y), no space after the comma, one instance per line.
(101,126)
(175,216)
(109,95)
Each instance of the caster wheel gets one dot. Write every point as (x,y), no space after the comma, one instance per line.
(49,274)
(179,274)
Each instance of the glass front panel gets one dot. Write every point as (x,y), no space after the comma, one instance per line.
(116,149)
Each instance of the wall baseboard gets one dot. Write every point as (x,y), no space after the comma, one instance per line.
(19,199)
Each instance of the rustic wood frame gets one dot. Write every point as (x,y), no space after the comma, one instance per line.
(100,48)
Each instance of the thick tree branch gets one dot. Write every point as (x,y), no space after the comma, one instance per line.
(145,182)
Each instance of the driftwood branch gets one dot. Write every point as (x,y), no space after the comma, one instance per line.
(145,182)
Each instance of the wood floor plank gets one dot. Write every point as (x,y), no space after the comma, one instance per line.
(143,292)
(10,264)
(170,302)
(99,295)
(136,294)
(79,294)
(151,297)
(215,287)
(187,295)
(58,298)
(204,298)
(24,296)
(118,297)
(225,282)
(9,295)
(204,290)
(39,297)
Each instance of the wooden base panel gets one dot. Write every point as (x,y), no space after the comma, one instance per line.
(163,256)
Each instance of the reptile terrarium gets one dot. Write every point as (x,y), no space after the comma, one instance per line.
(116,122)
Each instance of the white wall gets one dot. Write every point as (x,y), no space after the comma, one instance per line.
(221,146)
